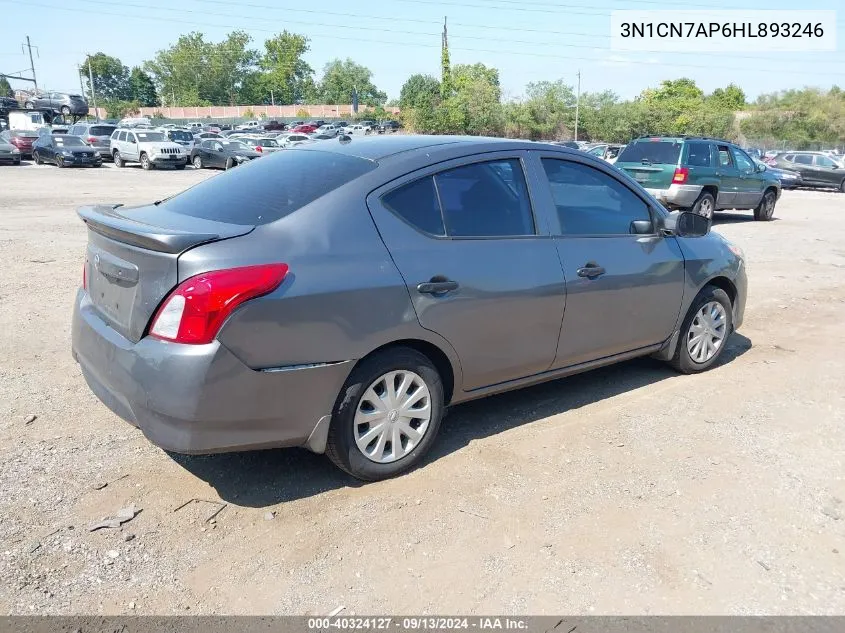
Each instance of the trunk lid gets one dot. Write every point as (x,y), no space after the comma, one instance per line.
(132,256)
(651,162)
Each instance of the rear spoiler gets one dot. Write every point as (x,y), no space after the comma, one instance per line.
(103,219)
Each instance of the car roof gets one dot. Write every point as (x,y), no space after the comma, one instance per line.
(380,147)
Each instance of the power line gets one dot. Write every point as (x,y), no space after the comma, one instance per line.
(403,43)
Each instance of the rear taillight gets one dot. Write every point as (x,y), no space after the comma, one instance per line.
(194,312)
(259,149)
(92,139)
(85,275)
(681,175)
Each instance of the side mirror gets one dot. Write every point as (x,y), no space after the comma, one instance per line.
(686,224)
(761,168)
(834,166)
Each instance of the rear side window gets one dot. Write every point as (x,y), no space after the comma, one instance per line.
(268,189)
(655,152)
(417,204)
(803,159)
(589,202)
(101,130)
(699,155)
(485,200)
(122,136)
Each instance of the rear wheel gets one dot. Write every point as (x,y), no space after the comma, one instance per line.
(146,164)
(705,205)
(387,415)
(704,332)
(198,161)
(766,209)
(36,157)
(118,161)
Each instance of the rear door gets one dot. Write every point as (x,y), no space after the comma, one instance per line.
(751,183)
(480,270)
(726,170)
(651,162)
(624,280)
(827,170)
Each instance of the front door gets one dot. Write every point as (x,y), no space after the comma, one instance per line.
(728,177)
(804,166)
(750,184)
(827,171)
(624,281)
(479,271)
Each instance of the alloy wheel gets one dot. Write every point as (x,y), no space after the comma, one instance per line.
(707,332)
(392,417)
(706,208)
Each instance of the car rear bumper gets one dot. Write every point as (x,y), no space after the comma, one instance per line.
(682,196)
(200,398)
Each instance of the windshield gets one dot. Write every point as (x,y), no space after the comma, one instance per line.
(69,141)
(179,135)
(102,130)
(268,189)
(151,137)
(658,152)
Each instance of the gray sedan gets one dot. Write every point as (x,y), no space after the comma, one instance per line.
(9,153)
(340,295)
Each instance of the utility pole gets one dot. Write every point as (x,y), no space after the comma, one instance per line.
(31,63)
(577,104)
(81,86)
(272,100)
(93,94)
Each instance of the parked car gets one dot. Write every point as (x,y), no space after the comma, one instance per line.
(194,126)
(182,137)
(61,102)
(205,135)
(816,169)
(263,145)
(293,140)
(274,126)
(388,126)
(134,122)
(317,123)
(305,128)
(22,139)
(151,148)
(329,129)
(702,174)
(321,137)
(605,151)
(262,337)
(97,135)
(788,179)
(293,124)
(222,154)
(569,144)
(249,125)
(358,129)
(341,124)
(64,150)
(9,153)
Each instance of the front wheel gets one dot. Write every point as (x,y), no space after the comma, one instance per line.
(387,415)
(705,205)
(704,332)
(36,157)
(842,186)
(766,209)
(60,162)
(198,162)
(118,161)
(146,164)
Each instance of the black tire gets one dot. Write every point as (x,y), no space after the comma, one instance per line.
(36,157)
(705,205)
(59,162)
(146,163)
(341,447)
(118,161)
(197,162)
(842,186)
(65,111)
(765,211)
(682,361)
(229,163)
(29,105)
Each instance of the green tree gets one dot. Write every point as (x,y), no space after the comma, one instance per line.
(111,77)
(732,97)
(286,73)
(5,87)
(466,75)
(340,77)
(142,88)
(197,72)
(419,91)
(445,68)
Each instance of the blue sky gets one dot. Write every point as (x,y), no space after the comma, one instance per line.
(527,40)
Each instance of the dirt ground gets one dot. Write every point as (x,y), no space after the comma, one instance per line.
(628,490)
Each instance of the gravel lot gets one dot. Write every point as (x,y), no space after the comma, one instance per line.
(628,490)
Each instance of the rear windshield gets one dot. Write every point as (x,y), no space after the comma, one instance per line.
(25,133)
(269,188)
(179,135)
(102,130)
(658,152)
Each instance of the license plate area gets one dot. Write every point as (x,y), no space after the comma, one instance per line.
(112,286)
(641,176)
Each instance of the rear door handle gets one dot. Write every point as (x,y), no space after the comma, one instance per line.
(591,271)
(437,287)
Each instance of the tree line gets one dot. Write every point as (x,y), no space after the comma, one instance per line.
(466,99)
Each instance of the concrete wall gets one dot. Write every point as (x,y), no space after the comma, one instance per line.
(269,112)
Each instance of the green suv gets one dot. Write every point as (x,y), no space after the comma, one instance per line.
(701,174)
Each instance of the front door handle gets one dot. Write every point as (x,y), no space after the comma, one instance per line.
(437,287)
(591,270)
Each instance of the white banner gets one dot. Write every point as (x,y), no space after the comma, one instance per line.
(722,31)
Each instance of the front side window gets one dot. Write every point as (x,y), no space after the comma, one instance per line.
(824,161)
(590,202)
(743,163)
(479,201)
